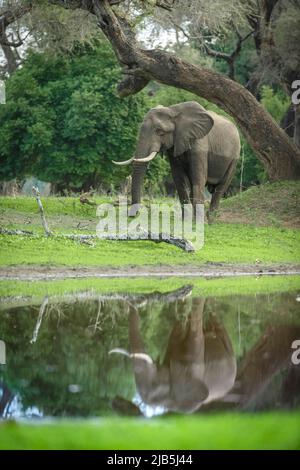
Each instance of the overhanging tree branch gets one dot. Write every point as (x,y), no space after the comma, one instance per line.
(9,16)
(229,58)
(273,147)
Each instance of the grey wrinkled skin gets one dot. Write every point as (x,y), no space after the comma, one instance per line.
(199,365)
(203,149)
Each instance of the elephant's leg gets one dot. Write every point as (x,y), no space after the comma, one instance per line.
(195,336)
(198,176)
(135,339)
(222,187)
(181,181)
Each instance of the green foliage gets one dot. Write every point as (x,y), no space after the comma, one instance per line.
(276,102)
(245,63)
(64,122)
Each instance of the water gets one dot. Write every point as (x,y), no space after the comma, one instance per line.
(91,355)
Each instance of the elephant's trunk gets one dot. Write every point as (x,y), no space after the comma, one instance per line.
(139,170)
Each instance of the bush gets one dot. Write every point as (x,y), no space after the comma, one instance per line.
(64,122)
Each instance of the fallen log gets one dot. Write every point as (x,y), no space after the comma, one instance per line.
(181,243)
(5,231)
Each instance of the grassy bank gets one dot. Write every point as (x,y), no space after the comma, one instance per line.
(229,431)
(259,235)
(203,287)
(276,204)
(223,243)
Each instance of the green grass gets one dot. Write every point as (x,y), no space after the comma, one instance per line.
(203,287)
(228,243)
(269,204)
(223,243)
(52,205)
(227,431)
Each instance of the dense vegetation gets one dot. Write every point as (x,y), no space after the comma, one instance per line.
(64,123)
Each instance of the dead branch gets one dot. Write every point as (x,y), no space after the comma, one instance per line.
(230,58)
(39,202)
(84,199)
(39,320)
(5,231)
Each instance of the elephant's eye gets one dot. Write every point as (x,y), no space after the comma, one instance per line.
(160,132)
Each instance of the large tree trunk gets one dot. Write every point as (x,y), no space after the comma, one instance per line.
(273,147)
(297,126)
(287,122)
(11,61)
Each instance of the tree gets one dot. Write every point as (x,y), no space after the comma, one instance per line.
(11,12)
(220,29)
(64,122)
(279,155)
(274,149)
(26,25)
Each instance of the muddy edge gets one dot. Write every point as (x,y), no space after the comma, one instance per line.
(26,272)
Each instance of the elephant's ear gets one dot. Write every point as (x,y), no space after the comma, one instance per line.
(192,122)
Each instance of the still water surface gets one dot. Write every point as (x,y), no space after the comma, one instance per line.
(89,355)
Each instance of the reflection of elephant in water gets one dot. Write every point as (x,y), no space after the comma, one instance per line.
(198,367)
(203,149)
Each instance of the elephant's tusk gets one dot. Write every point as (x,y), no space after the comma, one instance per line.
(147,159)
(123,163)
(144,357)
(119,351)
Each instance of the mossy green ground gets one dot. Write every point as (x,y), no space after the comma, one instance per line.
(225,431)
(224,242)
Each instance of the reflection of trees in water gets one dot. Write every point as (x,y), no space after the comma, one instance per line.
(71,343)
(68,350)
(76,333)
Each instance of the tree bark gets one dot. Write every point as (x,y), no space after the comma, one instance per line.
(287,123)
(8,17)
(273,147)
(297,126)
(11,61)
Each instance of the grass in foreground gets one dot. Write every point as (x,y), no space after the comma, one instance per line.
(226,431)
(202,287)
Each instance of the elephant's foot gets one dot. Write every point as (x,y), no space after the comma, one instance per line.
(133,210)
(211,216)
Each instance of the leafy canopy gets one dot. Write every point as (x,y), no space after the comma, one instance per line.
(64,122)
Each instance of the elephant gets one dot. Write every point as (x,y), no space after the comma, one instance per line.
(203,149)
(199,365)
(268,361)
